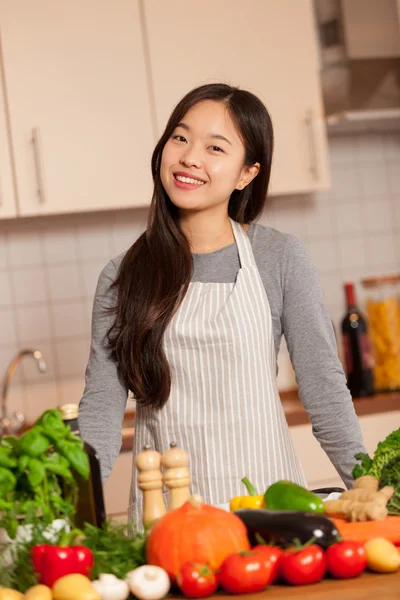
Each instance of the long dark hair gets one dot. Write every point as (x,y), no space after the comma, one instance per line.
(155,273)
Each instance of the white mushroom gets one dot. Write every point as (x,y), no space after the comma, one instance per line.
(110,587)
(149,583)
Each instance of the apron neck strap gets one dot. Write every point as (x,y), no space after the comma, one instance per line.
(245,251)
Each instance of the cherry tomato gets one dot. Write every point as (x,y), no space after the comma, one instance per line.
(346,559)
(274,554)
(197,580)
(246,572)
(303,566)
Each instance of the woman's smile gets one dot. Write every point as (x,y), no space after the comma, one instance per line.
(187,181)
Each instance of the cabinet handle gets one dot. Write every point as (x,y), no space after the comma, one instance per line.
(36,143)
(312,147)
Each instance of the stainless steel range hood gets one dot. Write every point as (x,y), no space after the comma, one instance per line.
(360,63)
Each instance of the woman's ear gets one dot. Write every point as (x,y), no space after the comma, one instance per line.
(247,175)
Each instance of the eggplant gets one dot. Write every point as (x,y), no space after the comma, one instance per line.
(284,527)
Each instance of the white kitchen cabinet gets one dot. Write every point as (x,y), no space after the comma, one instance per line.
(318,469)
(81,127)
(8,206)
(267,47)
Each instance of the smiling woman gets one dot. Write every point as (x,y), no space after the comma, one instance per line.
(190,318)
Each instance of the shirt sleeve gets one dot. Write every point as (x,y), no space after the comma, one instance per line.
(320,377)
(102,407)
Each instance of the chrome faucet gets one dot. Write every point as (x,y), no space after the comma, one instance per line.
(10,424)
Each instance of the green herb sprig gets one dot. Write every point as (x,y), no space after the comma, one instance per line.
(114,552)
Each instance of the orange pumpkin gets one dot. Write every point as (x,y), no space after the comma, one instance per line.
(198,532)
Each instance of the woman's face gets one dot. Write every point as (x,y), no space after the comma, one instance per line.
(203,161)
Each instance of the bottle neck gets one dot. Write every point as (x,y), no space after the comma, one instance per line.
(69,414)
(73,423)
(350,293)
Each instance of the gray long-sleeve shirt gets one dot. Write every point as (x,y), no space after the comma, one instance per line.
(298,312)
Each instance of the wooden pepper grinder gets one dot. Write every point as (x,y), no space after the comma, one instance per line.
(176,475)
(150,482)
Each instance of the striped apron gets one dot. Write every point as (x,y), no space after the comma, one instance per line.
(224,407)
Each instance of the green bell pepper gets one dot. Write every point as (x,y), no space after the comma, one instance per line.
(285,495)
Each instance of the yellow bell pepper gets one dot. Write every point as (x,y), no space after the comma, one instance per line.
(253,500)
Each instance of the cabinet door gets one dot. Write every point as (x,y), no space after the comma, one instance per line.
(8,207)
(77,92)
(265,46)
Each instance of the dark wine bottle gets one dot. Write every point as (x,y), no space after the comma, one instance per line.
(357,348)
(91,507)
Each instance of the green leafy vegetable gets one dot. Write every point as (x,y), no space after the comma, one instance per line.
(7,481)
(53,425)
(33,443)
(114,552)
(393,439)
(363,468)
(5,459)
(381,458)
(36,473)
(385,451)
(23,462)
(9,441)
(391,476)
(58,464)
(73,453)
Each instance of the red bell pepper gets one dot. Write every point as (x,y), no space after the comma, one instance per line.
(53,562)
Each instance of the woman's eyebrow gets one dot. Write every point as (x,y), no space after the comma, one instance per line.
(215,136)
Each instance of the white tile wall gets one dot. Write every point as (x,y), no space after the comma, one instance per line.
(49,266)
(60,245)
(28,284)
(3,255)
(352,250)
(33,324)
(5,287)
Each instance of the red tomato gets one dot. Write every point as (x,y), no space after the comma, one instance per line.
(303,566)
(346,559)
(246,572)
(197,580)
(274,554)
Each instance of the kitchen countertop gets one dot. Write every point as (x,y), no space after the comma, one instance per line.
(381,587)
(294,411)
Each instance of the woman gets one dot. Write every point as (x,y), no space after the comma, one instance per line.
(191,316)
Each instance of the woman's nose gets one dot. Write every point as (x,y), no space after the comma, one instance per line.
(191,158)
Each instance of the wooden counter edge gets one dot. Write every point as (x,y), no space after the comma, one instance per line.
(294,412)
(368,585)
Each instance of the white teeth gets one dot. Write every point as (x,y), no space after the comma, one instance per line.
(188,180)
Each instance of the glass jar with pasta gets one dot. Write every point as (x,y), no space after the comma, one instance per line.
(382,307)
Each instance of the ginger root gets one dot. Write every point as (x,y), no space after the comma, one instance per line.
(363,502)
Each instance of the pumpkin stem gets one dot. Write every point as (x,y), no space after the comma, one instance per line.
(196,501)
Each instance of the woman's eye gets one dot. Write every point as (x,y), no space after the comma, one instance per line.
(179,138)
(216,149)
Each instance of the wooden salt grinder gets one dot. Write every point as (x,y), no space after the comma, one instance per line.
(150,482)
(176,475)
